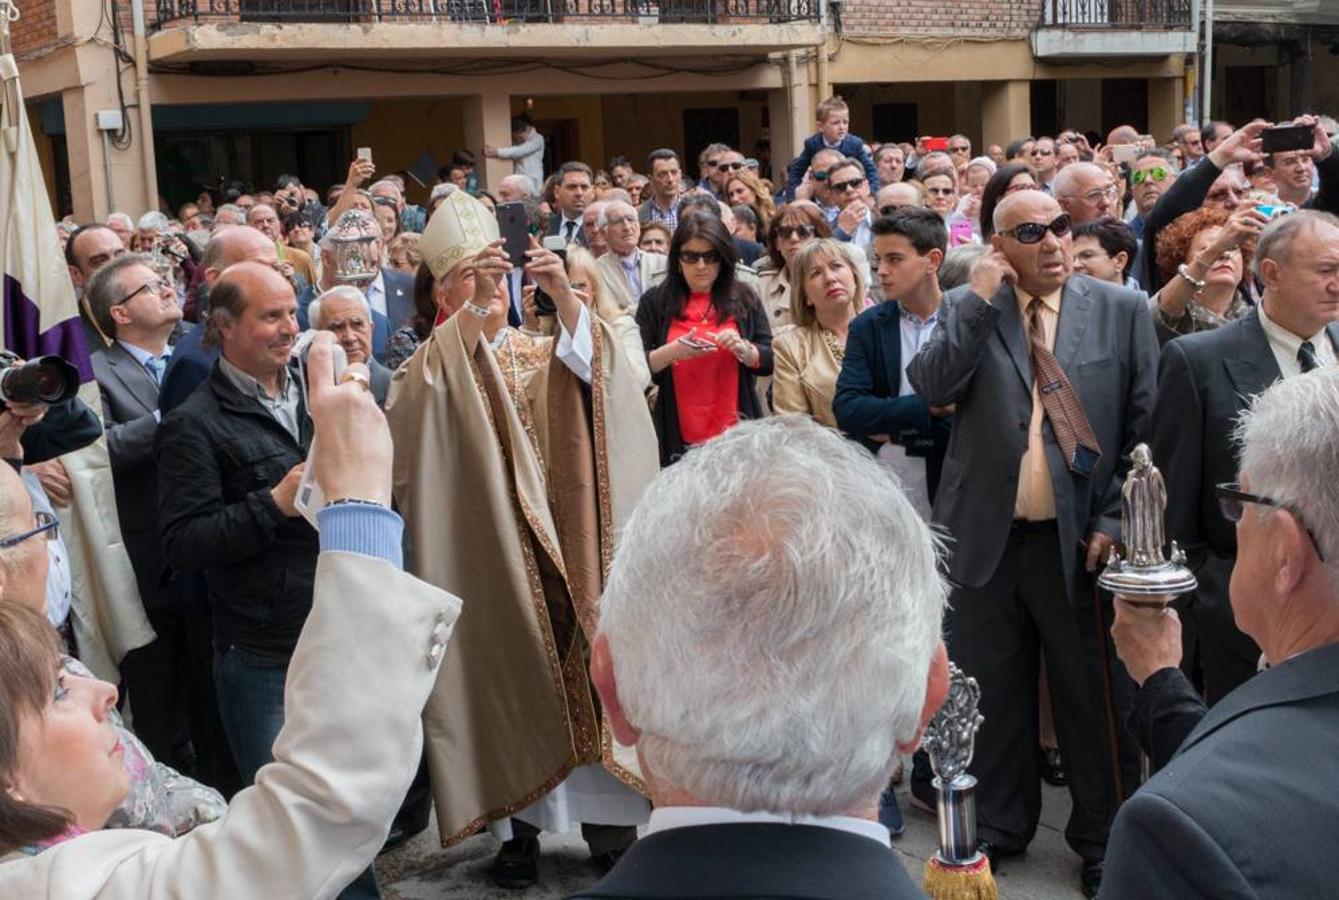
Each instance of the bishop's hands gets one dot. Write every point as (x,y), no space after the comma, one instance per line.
(1147,639)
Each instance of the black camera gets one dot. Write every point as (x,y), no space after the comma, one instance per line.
(47,380)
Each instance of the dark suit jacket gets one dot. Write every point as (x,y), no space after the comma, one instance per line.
(399,303)
(978,359)
(65,428)
(1205,381)
(1247,808)
(756,860)
(381,381)
(129,399)
(555,228)
(189,366)
(867,400)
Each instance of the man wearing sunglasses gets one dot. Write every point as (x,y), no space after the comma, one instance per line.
(1152,172)
(1204,385)
(1255,773)
(1052,375)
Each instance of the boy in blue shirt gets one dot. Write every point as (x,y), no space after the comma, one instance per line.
(834,124)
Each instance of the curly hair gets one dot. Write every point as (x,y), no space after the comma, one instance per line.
(1174,241)
(763,205)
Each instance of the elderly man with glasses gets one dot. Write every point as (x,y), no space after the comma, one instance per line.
(1204,385)
(1245,804)
(1086,191)
(1052,377)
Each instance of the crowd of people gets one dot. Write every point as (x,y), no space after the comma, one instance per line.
(712,466)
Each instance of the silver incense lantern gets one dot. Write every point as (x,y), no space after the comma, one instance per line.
(950,739)
(355,242)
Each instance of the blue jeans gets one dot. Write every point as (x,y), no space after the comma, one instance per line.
(251,704)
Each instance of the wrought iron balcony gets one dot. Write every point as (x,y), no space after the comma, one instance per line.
(707,12)
(1125,15)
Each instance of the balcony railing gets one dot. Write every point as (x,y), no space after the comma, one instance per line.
(708,12)
(1119,14)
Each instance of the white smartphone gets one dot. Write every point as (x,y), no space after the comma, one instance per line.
(365,153)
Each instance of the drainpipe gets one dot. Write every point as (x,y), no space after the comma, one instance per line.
(1206,76)
(142,102)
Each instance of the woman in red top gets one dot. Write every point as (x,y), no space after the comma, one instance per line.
(706,338)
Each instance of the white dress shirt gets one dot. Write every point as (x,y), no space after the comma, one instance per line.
(1285,345)
(666,817)
(911,470)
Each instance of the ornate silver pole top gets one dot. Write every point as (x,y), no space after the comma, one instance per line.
(950,738)
(1145,572)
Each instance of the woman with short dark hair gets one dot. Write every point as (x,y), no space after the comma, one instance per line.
(706,338)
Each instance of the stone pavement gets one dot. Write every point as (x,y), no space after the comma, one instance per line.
(422,871)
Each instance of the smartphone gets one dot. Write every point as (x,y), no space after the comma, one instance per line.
(1124,154)
(1283,138)
(1270,211)
(936,143)
(544,304)
(365,153)
(514,228)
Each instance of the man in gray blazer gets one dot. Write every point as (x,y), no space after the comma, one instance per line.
(139,312)
(626,271)
(1205,381)
(1247,806)
(1030,495)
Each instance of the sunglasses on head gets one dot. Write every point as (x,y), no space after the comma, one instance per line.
(1156,173)
(693,257)
(1033,232)
(794,231)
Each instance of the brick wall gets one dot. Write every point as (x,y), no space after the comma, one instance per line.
(36,27)
(974,18)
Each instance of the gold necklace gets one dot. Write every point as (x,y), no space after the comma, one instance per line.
(837,346)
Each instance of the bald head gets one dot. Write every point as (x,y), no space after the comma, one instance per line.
(898,195)
(1122,134)
(515,187)
(253,317)
(1043,265)
(1086,191)
(234,244)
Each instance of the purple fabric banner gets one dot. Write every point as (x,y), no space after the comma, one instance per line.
(22,321)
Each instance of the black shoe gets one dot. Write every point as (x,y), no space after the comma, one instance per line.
(604,862)
(890,814)
(995,854)
(1053,770)
(923,795)
(1090,878)
(516,865)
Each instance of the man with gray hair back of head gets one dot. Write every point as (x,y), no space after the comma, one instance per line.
(1246,805)
(1205,382)
(769,642)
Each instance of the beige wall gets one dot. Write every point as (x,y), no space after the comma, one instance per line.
(636,124)
(399,130)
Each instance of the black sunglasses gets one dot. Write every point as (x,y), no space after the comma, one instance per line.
(46,522)
(693,257)
(1232,502)
(841,187)
(790,231)
(1033,232)
(730,166)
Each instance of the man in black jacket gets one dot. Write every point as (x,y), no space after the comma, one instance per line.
(229,463)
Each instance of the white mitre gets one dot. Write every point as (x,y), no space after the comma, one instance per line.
(459,229)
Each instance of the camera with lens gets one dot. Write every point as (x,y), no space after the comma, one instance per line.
(46,380)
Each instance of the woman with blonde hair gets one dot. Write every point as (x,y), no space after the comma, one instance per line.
(747,188)
(829,290)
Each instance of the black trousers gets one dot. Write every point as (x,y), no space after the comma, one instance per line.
(599,838)
(996,633)
(170,685)
(1216,656)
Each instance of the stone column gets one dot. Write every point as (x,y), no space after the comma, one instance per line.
(1166,106)
(487,120)
(1006,111)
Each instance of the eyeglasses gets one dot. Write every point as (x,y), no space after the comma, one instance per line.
(941,191)
(1037,152)
(619,220)
(1110,192)
(960,149)
(153,285)
(841,187)
(46,522)
(1033,232)
(786,232)
(730,166)
(1232,502)
(1156,173)
(693,257)
(888,210)
(821,176)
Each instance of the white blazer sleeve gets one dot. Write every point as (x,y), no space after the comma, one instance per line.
(318,814)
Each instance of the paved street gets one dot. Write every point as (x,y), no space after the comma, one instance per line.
(422,871)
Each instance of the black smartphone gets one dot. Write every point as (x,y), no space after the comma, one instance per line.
(514,227)
(1283,138)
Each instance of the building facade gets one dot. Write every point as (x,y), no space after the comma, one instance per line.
(138,102)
